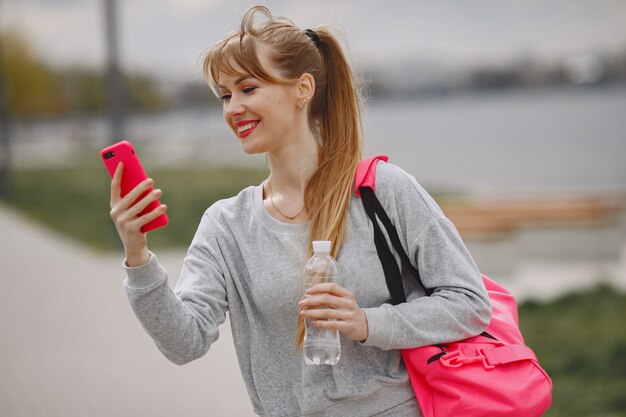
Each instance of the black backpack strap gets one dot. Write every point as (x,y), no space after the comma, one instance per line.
(392,232)
(393,276)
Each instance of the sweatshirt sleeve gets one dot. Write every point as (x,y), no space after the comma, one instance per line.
(459,306)
(183,322)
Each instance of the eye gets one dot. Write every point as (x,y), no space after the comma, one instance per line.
(225,97)
(248,89)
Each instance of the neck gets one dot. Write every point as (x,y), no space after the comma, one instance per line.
(292,166)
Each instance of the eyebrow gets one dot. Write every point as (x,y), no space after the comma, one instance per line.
(238,80)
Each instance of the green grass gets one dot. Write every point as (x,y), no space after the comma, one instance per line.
(75,201)
(579,339)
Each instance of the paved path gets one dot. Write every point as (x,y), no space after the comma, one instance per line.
(71,346)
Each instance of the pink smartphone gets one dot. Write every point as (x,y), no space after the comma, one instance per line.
(132,175)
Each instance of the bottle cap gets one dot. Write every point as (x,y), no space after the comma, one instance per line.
(321,246)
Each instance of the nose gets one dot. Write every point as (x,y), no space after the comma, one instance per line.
(233,108)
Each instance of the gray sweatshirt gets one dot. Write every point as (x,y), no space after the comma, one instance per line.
(245,262)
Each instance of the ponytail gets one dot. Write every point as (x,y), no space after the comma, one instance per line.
(336,109)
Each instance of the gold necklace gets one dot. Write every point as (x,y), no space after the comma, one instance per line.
(269,185)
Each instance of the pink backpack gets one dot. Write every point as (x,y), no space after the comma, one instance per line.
(490,375)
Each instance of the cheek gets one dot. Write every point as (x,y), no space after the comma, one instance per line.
(225,117)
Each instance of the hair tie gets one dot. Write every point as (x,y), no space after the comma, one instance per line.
(314,37)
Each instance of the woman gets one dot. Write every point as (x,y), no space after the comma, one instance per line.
(290,94)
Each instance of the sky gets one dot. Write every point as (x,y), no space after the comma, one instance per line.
(166,38)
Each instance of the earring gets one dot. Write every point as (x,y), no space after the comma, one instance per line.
(302,102)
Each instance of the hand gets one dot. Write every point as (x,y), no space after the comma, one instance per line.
(330,306)
(125,216)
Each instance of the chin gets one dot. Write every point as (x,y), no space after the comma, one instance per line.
(251,149)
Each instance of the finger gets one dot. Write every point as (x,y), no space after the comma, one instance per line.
(321,300)
(347,328)
(115,184)
(134,225)
(330,325)
(354,328)
(347,300)
(326,314)
(332,288)
(148,217)
(130,198)
(121,212)
(339,298)
(145,202)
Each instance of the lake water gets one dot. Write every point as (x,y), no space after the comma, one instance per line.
(572,139)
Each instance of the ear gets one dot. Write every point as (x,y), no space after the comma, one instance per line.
(305,88)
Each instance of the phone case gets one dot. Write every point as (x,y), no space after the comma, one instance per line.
(132,175)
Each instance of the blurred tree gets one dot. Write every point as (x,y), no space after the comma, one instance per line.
(83,89)
(141,94)
(34,89)
(31,87)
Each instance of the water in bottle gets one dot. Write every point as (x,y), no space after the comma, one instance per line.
(321,346)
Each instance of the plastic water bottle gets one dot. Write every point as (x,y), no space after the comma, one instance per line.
(321,346)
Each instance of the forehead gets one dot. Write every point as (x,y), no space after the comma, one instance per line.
(232,72)
(232,80)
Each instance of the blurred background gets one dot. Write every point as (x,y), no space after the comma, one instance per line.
(511,114)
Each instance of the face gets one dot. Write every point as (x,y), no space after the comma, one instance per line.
(262,115)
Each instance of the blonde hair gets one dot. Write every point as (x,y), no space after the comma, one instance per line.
(334,111)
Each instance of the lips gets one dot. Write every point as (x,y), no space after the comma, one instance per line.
(246,127)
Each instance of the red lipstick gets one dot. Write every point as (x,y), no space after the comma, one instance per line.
(246,127)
